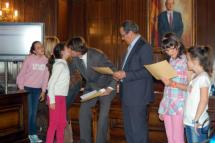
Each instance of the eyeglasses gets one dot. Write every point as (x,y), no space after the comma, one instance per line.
(168,49)
(123,35)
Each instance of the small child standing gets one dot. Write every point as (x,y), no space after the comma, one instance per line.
(195,111)
(33,78)
(172,103)
(58,87)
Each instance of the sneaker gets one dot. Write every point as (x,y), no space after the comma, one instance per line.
(30,138)
(34,139)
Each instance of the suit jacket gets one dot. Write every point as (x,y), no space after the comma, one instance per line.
(137,87)
(94,80)
(164,27)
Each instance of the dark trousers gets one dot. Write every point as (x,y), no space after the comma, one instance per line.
(135,123)
(33,100)
(85,116)
(71,96)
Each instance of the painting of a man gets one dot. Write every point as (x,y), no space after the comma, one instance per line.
(170,20)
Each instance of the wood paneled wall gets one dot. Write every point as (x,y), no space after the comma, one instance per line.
(205,22)
(101,25)
(41,11)
(98,20)
(62,20)
(77,18)
(51,12)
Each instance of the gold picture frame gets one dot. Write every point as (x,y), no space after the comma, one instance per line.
(188,12)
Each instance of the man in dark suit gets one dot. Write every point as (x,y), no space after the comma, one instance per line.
(170,21)
(84,59)
(74,89)
(136,84)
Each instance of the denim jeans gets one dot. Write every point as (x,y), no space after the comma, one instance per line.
(192,137)
(33,100)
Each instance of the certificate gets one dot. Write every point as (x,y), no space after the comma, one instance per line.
(161,69)
(91,95)
(103,70)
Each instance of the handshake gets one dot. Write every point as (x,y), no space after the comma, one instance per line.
(119,75)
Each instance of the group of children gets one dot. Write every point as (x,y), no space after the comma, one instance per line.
(184,103)
(185,100)
(36,77)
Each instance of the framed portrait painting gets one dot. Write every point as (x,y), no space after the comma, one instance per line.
(187,10)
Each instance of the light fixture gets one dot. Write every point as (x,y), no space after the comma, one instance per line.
(7,12)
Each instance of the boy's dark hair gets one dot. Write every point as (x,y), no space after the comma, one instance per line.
(171,39)
(78,44)
(203,54)
(33,47)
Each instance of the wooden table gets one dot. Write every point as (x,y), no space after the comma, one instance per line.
(13,117)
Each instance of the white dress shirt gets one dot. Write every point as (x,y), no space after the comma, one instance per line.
(168,16)
(130,47)
(84,58)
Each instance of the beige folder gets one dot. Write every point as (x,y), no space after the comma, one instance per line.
(161,69)
(103,70)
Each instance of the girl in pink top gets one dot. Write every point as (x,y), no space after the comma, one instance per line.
(33,78)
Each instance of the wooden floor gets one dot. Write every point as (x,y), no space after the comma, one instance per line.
(116,130)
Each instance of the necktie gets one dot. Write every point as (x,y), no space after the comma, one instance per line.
(170,19)
(83,64)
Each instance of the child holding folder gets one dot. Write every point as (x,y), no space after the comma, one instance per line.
(172,103)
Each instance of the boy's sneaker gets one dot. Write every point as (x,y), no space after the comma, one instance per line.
(34,139)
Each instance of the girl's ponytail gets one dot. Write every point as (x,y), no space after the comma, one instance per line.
(204,55)
(56,55)
(50,63)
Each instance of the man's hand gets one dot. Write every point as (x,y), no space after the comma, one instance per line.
(119,75)
(107,91)
(196,126)
(42,96)
(166,81)
(161,117)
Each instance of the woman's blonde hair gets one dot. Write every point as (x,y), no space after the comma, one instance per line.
(49,43)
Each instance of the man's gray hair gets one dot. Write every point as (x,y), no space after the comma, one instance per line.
(129,25)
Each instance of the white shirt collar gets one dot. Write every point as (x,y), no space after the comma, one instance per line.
(84,57)
(169,11)
(134,41)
